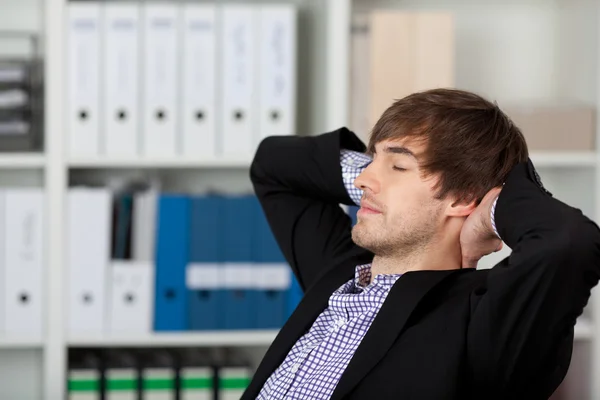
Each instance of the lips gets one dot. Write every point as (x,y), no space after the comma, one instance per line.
(367,208)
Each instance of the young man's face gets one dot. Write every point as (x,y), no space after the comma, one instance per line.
(398,209)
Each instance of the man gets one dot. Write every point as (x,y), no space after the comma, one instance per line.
(394,307)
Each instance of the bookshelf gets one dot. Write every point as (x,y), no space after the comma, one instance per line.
(534,49)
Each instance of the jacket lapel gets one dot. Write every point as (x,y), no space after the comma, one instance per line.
(313,303)
(404,297)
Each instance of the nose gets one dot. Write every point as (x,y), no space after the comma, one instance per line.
(367,180)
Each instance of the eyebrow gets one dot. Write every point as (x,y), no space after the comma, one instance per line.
(399,150)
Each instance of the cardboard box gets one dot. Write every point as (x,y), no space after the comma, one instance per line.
(408,52)
(556,127)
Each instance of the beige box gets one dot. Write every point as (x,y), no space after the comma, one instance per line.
(408,52)
(556,127)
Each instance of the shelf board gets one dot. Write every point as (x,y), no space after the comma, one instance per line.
(583,331)
(21,160)
(157,162)
(563,159)
(539,158)
(19,342)
(199,339)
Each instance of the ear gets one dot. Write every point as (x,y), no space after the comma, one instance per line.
(458,208)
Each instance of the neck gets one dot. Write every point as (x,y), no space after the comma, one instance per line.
(441,253)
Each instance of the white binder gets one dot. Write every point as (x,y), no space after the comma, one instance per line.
(239,87)
(199,82)
(160,61)
(131,297)
(277,70)
(83,78)
(121,35)
(88,252)
(24,261)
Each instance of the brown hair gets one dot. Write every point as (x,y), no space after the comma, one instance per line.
(470,142)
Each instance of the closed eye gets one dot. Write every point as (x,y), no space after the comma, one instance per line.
(399,168)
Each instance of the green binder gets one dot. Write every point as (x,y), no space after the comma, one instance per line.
(197,383)
(83,384)
(158,384)
(233,381)
(121,384)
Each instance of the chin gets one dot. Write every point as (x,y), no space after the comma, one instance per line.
(371,239)
(361,236)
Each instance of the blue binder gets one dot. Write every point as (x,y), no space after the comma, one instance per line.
(293,298)
(205,252)
(170,313)
(271,301)
(352,210)
(239,310)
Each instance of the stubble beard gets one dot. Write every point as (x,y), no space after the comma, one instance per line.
(399,239)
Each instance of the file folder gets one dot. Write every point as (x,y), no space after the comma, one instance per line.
(121,384)
(121,78)
(159,384)
(239,51)
(24,261)
(88,249)
(197,376)
(273,276)
(122,225)
(84,376)
(352,210)
(197,383)
(277,43)
(160,72)
(83,78)
(233,381)
(84,384)
(144,223)
(205,276)
(131,297)
(240,292)
(293,298)
(122,375)
(199,80)
(172,257)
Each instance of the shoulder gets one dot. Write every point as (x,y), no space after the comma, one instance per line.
(467,281)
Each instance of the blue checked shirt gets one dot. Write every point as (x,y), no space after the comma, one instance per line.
(316,362)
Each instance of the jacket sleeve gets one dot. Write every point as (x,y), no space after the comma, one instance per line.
(298,182)
(521,328)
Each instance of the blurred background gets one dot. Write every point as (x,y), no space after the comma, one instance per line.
(132,248)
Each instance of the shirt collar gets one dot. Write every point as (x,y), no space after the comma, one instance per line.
(363,274)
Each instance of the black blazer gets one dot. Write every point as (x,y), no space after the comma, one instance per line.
(502,333)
